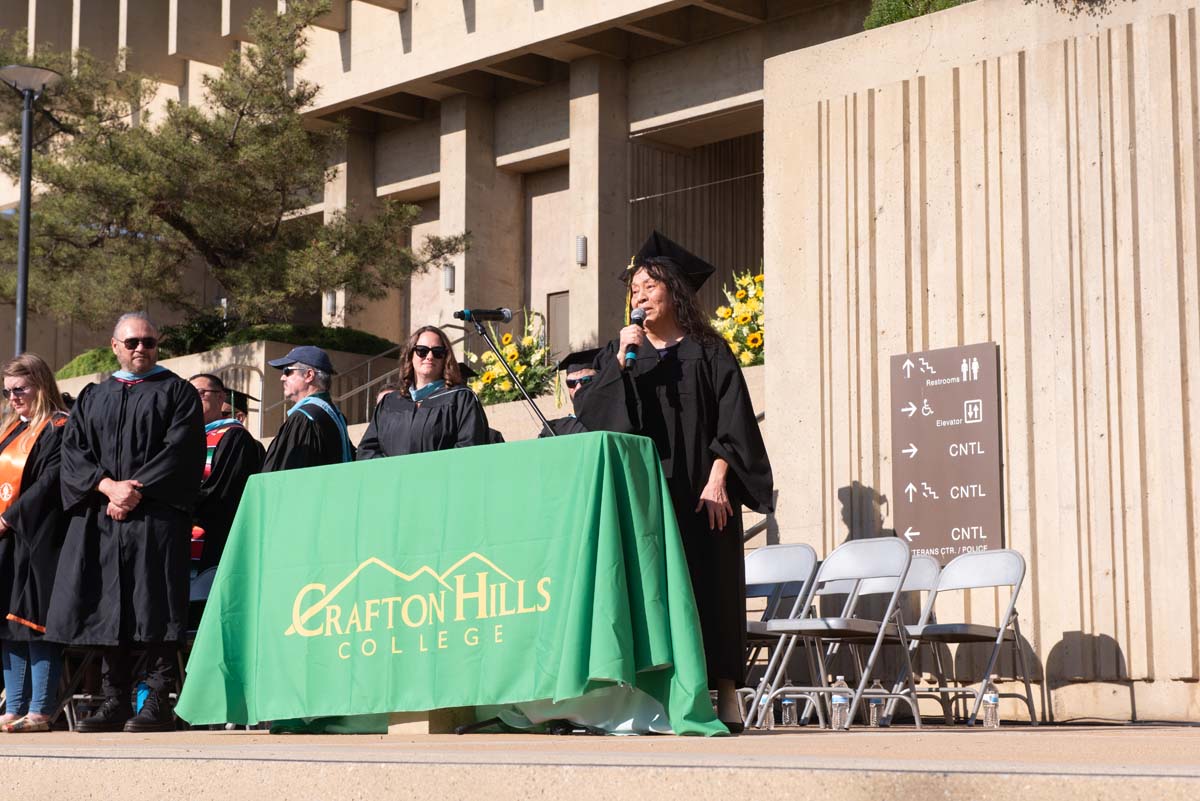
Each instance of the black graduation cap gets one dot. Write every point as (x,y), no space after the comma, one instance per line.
(240,401)
(580,360)
(695,269)
(466,371)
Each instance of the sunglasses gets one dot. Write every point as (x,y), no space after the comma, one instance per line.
(290,370)
(16,392)
(578,382)
(422,351)
(149,343)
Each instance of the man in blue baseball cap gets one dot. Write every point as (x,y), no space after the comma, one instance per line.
(314,432)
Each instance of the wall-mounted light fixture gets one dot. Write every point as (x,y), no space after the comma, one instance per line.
(581,250)
(448,277)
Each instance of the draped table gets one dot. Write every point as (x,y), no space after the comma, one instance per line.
(490,575)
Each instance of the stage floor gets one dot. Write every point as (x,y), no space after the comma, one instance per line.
(1160,762)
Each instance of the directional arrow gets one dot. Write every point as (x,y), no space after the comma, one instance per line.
(910,409)
(907,368)
(910,451)
(909,534)
(909,490)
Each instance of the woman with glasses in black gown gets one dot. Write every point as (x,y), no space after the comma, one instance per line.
(433,410)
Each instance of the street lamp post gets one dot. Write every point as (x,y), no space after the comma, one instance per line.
(30,83)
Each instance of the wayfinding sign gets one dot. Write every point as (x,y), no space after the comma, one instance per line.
(946,450)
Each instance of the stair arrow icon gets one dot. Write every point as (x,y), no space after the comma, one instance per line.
(909,490)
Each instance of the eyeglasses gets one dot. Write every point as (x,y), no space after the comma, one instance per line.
(438,351)
(149,343)
(578,382)
(16,392)
(289,370)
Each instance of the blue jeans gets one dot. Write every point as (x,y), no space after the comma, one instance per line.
(31,671)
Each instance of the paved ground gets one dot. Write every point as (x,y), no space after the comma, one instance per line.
(1117,762)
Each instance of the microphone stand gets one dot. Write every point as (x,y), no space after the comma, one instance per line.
(479,329)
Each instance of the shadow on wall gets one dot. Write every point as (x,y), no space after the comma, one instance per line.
(1088,658)
(863,512)
(469,15)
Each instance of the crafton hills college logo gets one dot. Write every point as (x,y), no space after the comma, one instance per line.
(460,607)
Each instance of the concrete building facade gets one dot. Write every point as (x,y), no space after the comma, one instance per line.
(1003,171)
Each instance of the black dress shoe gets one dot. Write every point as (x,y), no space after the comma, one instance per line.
(155,716)
(734,726)
(111,716)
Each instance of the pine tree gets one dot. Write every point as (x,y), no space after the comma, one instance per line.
(129,192)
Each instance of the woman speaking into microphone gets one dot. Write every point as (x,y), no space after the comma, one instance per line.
(674,380)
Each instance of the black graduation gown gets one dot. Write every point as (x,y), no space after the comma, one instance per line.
(449,418)
(238,456)
(122,581)
(302,442)
(694,404)
(29,550)
(564,425)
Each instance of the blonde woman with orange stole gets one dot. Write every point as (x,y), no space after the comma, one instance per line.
(31,534)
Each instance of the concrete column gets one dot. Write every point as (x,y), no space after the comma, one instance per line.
(352,190)
(488,202)
(599,196)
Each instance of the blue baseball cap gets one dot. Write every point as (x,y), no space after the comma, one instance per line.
(305,354)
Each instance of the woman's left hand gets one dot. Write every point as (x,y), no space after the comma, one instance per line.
(3,526)
(715,500)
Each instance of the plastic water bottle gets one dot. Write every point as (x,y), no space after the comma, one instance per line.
(875,708)
(788,715)
(766,713)
(143,691)
(841,704)
(991,705)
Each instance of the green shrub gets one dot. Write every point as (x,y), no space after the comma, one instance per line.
(96,360)
(885,12)
(350,340)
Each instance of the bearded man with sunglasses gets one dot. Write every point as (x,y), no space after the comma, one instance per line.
(314,432)
(132,459)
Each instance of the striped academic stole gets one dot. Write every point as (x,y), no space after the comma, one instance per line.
(212,438)
(12,461)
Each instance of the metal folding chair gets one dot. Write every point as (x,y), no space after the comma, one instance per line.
(776,573)
(859,568)
(972,571)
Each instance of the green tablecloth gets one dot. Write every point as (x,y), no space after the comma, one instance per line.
(491,575)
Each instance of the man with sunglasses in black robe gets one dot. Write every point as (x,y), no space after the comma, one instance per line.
(132,459)
(314,432)
(579,374)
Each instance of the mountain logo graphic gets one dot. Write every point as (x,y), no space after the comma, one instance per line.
(465,586)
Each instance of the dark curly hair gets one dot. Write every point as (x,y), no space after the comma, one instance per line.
(450,372)
(687,312)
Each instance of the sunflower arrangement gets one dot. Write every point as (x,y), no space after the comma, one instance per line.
(743,321)
(527,356)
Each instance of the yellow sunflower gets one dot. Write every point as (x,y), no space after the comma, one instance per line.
(746,358)
(741,294)
(755,340)
(506,339)
(487,377)
(724,312)
(758,279)
(505,385)
(743,318)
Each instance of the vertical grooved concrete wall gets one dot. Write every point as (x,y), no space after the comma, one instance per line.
(1004,172)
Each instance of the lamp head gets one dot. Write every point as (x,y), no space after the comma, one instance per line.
(24,78)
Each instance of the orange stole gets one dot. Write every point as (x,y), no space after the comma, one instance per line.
(12,460)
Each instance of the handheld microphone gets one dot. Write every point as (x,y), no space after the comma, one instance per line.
(484,315)
(638,318)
